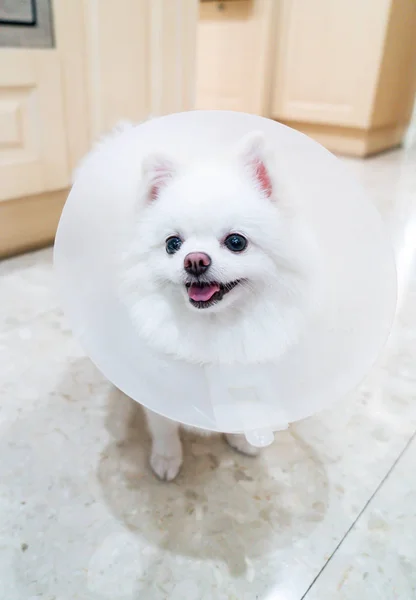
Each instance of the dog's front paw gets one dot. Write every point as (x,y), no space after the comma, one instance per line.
(166,460)
(239,443)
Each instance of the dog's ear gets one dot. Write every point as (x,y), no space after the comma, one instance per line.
(157,171)
(252,153)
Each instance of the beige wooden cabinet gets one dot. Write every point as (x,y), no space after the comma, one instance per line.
(233,66)
(342,71)
(30,95)
(112,60)
(345,71)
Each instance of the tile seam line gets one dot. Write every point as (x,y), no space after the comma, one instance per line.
(355,521)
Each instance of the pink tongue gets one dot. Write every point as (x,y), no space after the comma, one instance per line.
(203,294)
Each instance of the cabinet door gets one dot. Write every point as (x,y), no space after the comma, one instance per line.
(233,55)
(327,60)
(112,60)
(33,150)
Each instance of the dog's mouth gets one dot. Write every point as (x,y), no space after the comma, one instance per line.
(205,294)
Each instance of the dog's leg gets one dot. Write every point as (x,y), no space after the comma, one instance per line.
(166,454)
(239,443)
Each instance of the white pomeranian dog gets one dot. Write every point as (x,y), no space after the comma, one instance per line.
(219,268)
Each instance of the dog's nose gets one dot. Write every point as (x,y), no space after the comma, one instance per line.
(196,263)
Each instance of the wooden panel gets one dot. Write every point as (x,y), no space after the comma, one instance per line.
(233,55)
(352,141)
(396,83)
(140,59)
(116,61)
(327,60)
(33,153)
(172,42)
(29,222)
(69,26)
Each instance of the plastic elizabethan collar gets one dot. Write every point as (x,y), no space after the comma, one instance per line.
(339,345)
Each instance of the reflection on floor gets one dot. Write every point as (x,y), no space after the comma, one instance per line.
(327,512)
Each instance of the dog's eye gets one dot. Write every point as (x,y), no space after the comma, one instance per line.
(173,244)
(236,242)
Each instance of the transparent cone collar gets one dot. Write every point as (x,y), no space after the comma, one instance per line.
(245,399)
(338,346)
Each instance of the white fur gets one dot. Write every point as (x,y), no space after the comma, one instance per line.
(258,320)
(166,453)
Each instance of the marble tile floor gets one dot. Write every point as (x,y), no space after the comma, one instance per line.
(327,512)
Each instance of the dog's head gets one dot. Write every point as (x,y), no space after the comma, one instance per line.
(212,251)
